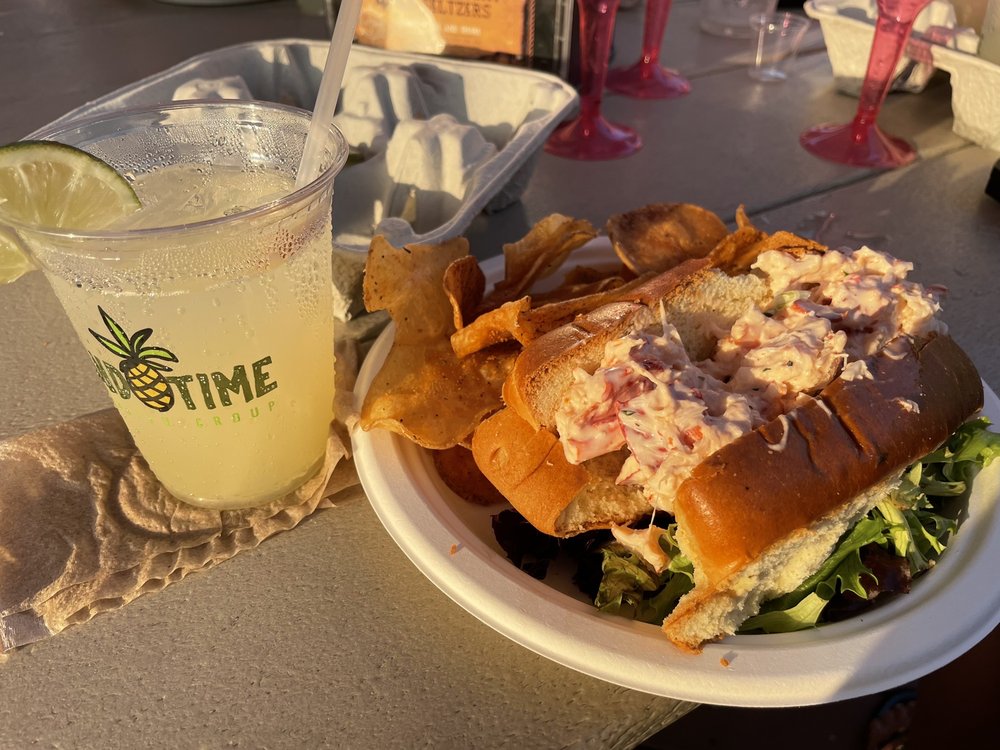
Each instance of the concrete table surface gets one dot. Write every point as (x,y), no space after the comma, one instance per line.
(323,637)
(327,636)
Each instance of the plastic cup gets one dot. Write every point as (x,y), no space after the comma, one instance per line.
(210,326)
(779,36)
(732,17)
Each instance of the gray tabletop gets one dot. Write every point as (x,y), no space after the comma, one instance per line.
(328,636)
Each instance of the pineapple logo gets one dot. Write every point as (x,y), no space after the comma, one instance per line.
(137,365)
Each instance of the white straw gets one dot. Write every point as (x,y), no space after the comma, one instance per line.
(329,90)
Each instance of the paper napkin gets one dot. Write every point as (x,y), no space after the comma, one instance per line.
(85,527)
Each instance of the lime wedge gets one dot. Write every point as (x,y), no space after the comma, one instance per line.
(13,263)
(49,184)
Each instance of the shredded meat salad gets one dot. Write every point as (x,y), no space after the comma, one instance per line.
(829,311)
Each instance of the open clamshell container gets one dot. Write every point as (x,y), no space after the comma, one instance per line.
(849,26)
(434,141)
(937,43)
(975,95)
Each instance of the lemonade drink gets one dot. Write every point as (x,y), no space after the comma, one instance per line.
(208,313)
(245,413)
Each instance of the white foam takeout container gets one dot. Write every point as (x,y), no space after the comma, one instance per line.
(975,95)
(936,43)
(848,28)
(441,139)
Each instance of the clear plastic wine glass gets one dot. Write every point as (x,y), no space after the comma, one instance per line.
(590,135)
(647,79)
(861,143)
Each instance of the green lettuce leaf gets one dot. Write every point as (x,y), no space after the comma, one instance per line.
(803,615)
(837,566)
(630,587)
(907,520)
(911,522)
(626,580)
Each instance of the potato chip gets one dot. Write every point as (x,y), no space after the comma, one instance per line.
(464,284)
(737,251)
(742,220)
(457,468)
(492,327)
(548,317)
(426,393)
(407,282)
(523,322)
(791,243)
(567,291)
(663,235)
(591,274)
(538,254)
(423,391)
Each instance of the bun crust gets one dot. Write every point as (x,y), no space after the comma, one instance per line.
(518,450)
(694,296)
(770,482)
(762,513)
(561,499)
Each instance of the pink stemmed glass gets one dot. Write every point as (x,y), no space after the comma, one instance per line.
(589,135)
(861,143)
(647,79)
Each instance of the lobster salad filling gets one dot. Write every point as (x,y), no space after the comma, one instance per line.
(828,312)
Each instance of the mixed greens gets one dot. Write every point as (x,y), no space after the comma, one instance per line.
(902,537)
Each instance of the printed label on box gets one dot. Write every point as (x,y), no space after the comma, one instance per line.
(467,28)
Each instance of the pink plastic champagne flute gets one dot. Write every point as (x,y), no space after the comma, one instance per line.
(647,79)
(861,143)
(589,135)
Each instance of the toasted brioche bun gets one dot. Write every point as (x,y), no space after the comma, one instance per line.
(558,498)
(555,496)
(710,612)
(696,299)
(762,513)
